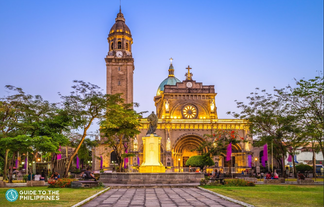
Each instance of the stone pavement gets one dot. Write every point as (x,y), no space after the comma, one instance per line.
(154,197)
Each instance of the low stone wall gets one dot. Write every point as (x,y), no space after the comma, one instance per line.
(84,184)
(254,180)
(2,184)
(35,183)
(274,181)
(307,181)
(150,178)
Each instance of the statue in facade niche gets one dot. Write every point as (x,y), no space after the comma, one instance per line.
(153,120)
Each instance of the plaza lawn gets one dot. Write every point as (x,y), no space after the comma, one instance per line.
(274,195)
(68,196)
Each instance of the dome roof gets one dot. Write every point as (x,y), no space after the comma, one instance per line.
(171,80)
(120,25)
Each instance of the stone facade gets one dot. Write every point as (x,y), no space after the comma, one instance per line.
(119,60)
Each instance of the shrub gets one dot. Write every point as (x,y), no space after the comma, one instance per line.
(215,183)
(203,181)
(101,184)
(302,168)
(200,161)
(238,182)
(25,177)
(60,183)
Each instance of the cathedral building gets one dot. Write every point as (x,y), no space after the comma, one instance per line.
(186,111)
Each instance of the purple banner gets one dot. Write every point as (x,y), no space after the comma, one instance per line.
(101,161)
(77,162)
(290,158)
(25,163)
(59,155)
(263,161)
(125,159)
(229,152)
(138,161)
(265,152)
(17,163)
(250,161)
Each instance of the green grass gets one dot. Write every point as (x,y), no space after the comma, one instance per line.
(274,195)
(68,196)
(316,180)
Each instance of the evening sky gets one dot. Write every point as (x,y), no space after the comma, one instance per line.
(234,45)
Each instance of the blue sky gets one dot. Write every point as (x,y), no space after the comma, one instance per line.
(234,45)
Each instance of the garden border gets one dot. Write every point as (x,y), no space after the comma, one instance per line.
(227,198)
(91,197)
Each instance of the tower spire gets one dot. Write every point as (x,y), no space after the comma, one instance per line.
(171,69)
(119,6)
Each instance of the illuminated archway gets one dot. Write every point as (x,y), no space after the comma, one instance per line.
(184,147)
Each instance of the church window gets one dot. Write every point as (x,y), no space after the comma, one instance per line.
(113,157)
(119,83)
(126,45)
(118,68)
(119,44)
(112,46)
(135,145)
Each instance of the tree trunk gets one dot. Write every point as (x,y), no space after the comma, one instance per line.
(314,164)
(68,164)
(5,165)
(294,166)
(283,166)
(119,152)
(11,165)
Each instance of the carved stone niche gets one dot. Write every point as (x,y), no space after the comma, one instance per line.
(168,159)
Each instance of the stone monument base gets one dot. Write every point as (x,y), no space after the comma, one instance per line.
(151,169)
(150,178)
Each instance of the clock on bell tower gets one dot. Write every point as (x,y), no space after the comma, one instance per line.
(119,61)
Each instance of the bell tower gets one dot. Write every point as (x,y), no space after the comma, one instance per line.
(119,60)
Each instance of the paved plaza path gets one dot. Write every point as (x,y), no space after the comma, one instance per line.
(154,197)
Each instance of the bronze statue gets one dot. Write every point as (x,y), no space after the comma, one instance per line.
(153,120)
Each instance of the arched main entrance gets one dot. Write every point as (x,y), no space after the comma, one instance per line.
(184,148)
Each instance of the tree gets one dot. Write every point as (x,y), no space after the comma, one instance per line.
(10,118)
(20,143)
(269,118)
(84,152)
(8,121)
(216,143)
(200,161)
(308,100)
(120,125)
(85,104)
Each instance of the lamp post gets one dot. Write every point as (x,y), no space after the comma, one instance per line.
(256,161)
(179,164)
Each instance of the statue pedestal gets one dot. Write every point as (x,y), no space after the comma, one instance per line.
(151,155)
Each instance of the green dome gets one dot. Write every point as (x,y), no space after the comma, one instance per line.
(171,80)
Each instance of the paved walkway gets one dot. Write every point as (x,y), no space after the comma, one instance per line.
(154,197)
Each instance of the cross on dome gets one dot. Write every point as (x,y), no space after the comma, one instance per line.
(189,75)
